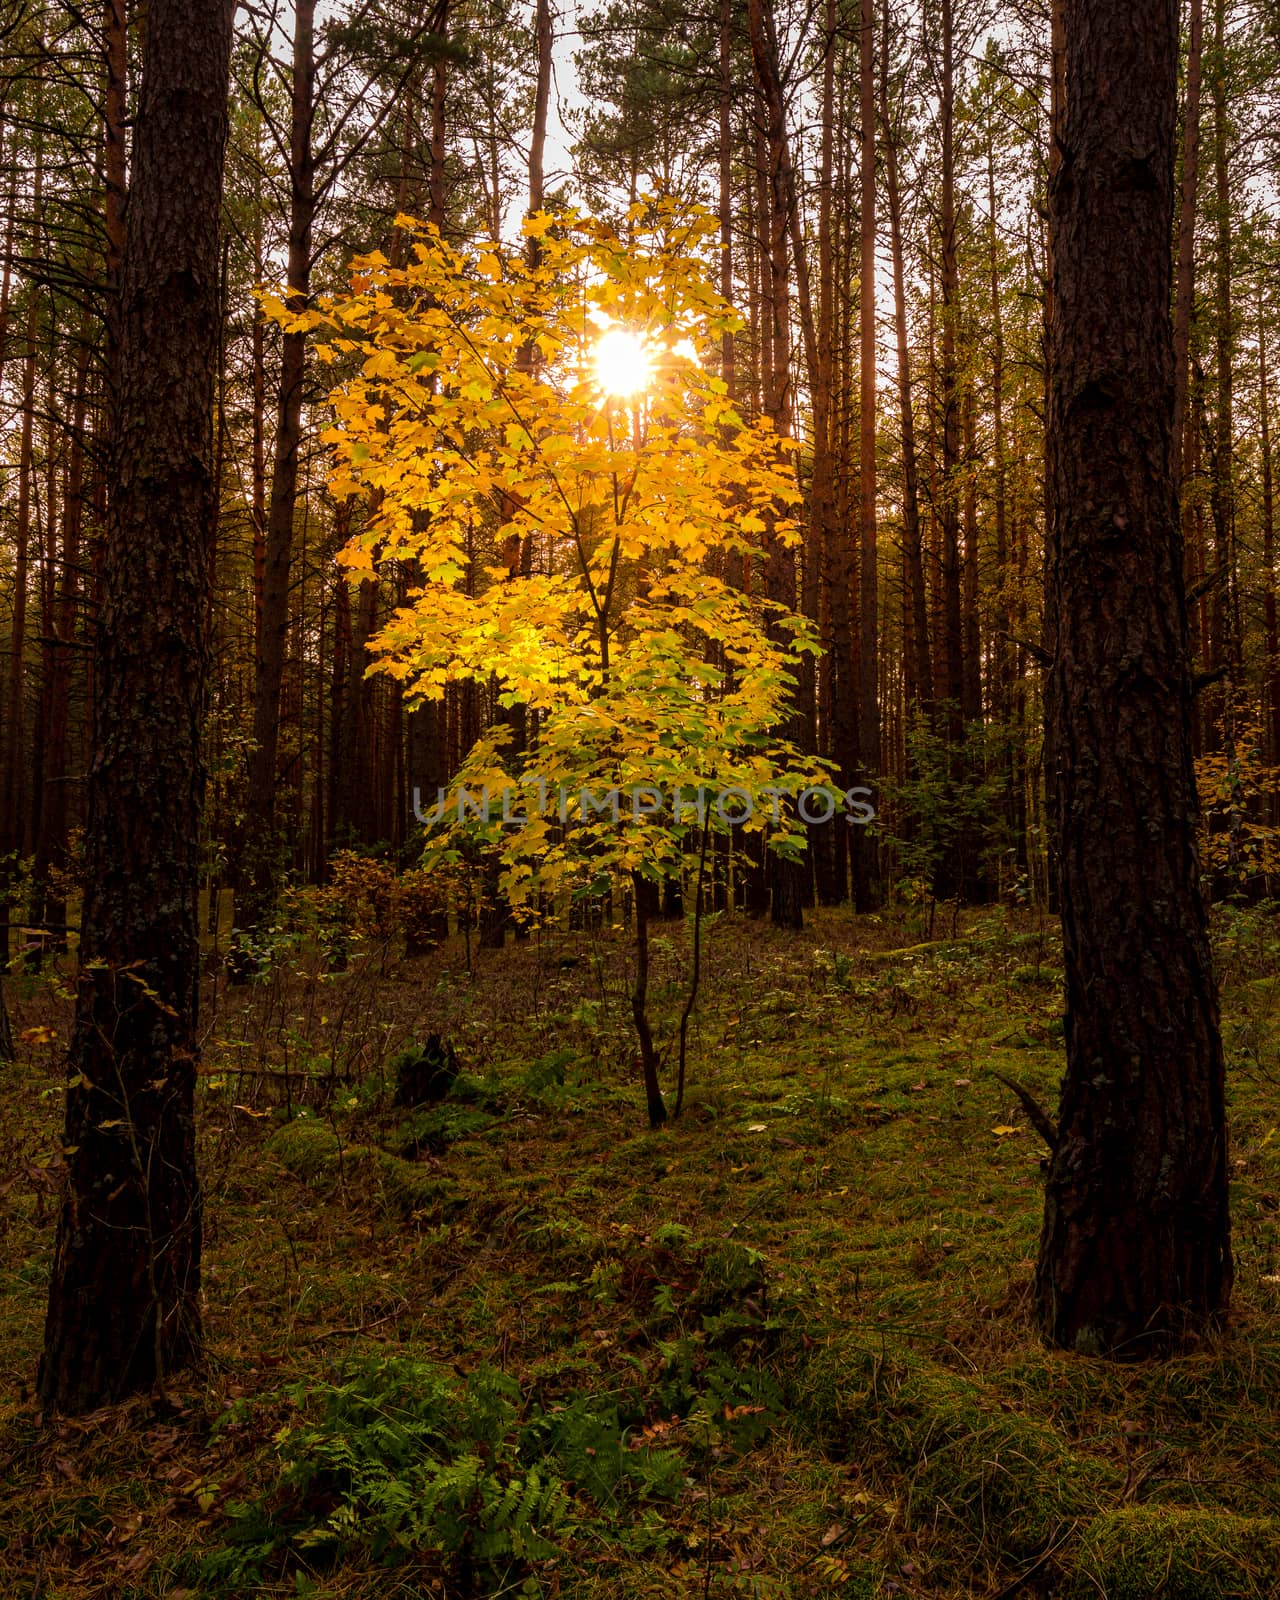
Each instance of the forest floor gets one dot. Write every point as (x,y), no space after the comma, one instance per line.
(782,1347)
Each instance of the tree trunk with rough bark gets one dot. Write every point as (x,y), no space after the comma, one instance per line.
(952,687)
(788,879)
(1186,286)
(866,868)
(917,661)
(124,1306)
(1134,1255)
(258,868)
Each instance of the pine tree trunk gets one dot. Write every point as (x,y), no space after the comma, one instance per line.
(124,1306)
(49,905)
(115,47)
(543,40)
(256,878)
(787,878)
(1134,1254)
(971,630)
(917,661)
(1225,609)
(1186,284)
(1000,642)
(839,667)
(16,814)
(952,620)
(1271,635)
(866,869)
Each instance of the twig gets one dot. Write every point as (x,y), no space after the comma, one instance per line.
(334,1333)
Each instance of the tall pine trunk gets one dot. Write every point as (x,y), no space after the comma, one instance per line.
(787,878)
(917,660)
(1134,1255)
(124,1306)
(1184,298)
(952,688)
(866,876)
(258,869)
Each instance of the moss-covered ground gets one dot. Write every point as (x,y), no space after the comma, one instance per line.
(782,1347)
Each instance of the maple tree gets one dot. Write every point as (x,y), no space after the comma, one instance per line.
(572,546)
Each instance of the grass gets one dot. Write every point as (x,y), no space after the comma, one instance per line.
(812,1293)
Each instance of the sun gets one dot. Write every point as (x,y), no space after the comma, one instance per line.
(623,366)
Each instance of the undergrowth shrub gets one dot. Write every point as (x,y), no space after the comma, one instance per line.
(398,1461)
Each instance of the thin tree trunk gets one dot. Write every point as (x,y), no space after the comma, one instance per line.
(51,816)
(15,817)
(971,702)
(866,884)
(1000,646)
(543,40)
(727,353)
(10,238)
(259,867)
(917,661)
(114,169)
(654,1102)
(788,878)
(869,716)
(1226,595)
(258,467)
(828,535)
(1272,634)
(1186,284)
(952,623)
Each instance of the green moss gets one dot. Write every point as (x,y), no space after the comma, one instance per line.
(1145,1552)
(310,1149)
(419,1190)
(1007,1480)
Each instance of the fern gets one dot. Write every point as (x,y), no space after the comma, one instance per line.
(398,1461)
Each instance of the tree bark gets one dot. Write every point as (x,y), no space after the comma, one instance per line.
(1186,289)
(1134,1255)
(787,878)
(115,49)
(1271,676)
(949,488)
(49,904)
(917,661)
(971,682)
(1225,610)
(866,877)
(124,1305)
(869,705)
(725,131)
(259,866)
(13,821)
(1000,643)
(836,706)
(543,40)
